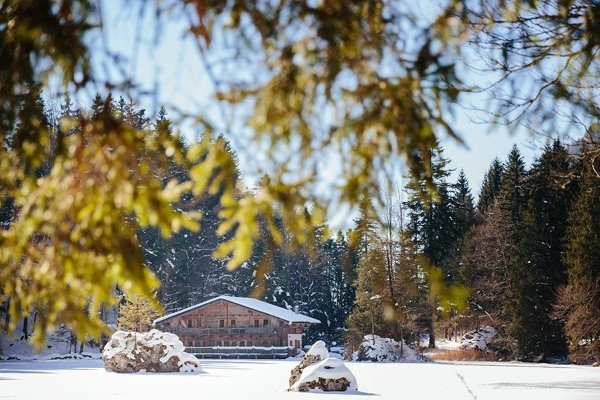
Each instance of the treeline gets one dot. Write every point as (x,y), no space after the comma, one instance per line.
(524,259)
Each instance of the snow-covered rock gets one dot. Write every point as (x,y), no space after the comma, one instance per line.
(478,338)
(328,375)
(380,349)
(319,349)
(318,352)
(153,351)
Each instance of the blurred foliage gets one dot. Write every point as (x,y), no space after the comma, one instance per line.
(369,80)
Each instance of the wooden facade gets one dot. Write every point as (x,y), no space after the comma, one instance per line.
(224,322)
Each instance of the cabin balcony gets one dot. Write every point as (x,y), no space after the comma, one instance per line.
(262,331)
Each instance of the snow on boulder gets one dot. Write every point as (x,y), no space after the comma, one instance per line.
(153,351)
(378,349)
(318,352)
(478,338)
(328,375)
(319,349)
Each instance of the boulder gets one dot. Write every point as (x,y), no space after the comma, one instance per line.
(479,339)
(318,352)
(328,375)
(153,351)
(378,349)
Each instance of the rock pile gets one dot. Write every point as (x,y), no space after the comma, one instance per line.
(378,349)
(328,375)
(318,352)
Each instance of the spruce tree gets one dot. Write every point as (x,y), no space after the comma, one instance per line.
(429,212)
(490,186)
(545,224)
(462,213)
(462,206)
(579,301)
(512,204)
(430,225)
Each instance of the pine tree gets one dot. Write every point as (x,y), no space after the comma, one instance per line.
(430,225)
(545,224)
(365,231)
(579,301)
(490,186)
(429,213)
(462,219)
(98,105)
(512,204)
(462,206)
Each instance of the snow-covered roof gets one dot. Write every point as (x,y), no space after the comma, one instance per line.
(254,304)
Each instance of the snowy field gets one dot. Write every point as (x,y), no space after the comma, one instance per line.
(267,379)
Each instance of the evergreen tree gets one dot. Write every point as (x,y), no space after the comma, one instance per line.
(579,301)
(430,224)
(462,207)
(512,204)
(462,219)
(490,186)
(545,224)
(98,105)
(429,213)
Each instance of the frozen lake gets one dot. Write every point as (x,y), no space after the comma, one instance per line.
(267,379)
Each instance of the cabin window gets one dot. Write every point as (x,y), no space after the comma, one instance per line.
(249,343)
(227,343)
(221,323)
(242,343)
(256,323)
(189,323)
(265,322)
(234,344)
(297,344)
(232,323)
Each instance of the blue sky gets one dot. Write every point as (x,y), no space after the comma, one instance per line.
(173,69)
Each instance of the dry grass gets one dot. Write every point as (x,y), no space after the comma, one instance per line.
(463,355)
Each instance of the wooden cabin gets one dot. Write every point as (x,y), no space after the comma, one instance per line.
(229,321)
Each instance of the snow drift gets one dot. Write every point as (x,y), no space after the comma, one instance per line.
(328,375)
(378,349)
(154,351)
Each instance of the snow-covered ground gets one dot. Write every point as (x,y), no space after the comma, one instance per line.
(267,379)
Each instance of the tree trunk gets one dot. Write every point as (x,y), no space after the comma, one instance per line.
(25,327)
(431,335)
(372,326)
(401,343)
(7,316)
